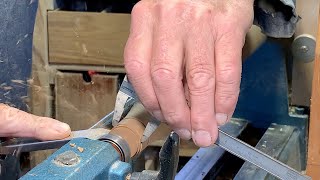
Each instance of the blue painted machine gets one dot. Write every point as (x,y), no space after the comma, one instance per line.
(82,159)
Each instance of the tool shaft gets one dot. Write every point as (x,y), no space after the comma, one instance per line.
(29,144)
(258,158)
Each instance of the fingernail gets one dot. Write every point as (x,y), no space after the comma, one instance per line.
(202,138)
(221,118)
(62,127)
(184,134)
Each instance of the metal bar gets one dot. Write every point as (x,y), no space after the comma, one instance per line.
(273,142)
(106,121)
(28,144)
(258,158)
(203,160)
(103,122)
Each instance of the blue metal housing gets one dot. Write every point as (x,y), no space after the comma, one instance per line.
(264,89)
(97,160)
(264,92)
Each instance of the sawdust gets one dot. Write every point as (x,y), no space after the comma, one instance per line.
(5,87)
(18,81)
(80,149)
(72,144)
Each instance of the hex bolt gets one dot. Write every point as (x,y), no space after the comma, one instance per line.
(68,158)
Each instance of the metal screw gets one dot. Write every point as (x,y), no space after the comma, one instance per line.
(304,49)
(68,158)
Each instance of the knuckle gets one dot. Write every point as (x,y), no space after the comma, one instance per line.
(201,12)
(226,82)
(202,120)
(168,7)
(198,121)
(174,117)
(205,14)
(200,81)
(163,74)
(134,67)
(227,98)
(39,124)
(228,75)
(162,10)
(139,9)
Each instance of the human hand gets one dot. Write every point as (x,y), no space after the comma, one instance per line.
(16,123)
(183,58)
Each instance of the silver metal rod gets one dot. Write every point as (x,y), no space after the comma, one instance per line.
(258,158)
(29,144)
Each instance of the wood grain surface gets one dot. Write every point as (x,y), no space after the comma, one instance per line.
(40,92)
(87,38)
(313,161)
(81,104)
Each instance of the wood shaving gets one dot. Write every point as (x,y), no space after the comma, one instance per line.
(72,144)
(6,88)
(80,149)
(17,81)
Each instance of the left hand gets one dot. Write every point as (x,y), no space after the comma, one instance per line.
(17,123)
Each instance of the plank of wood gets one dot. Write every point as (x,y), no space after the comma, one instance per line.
(39,83)
(309,17)
(302,72)
(40,92)
(81,104)
(87,38)
(313,161)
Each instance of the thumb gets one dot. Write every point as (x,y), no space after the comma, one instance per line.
(17,123)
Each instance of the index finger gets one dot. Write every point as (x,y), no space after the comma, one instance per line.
(17,123)
(137,57)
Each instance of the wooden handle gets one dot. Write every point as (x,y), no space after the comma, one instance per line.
(131,128)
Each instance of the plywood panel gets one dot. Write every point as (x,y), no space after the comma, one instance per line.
(82,104)
(87,38)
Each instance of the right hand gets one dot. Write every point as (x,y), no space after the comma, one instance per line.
(183,58)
